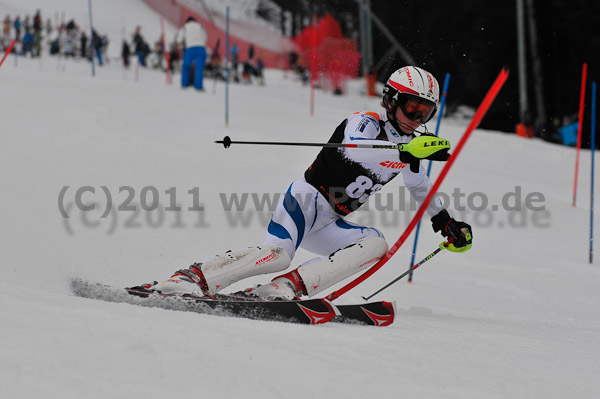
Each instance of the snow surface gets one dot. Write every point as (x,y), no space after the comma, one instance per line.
(515,317)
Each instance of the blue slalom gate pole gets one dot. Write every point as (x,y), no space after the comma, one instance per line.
(227,67)
(437,130)
(91,38)
(593,145)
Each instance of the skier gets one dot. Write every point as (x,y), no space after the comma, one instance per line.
(338,182)
(194,35)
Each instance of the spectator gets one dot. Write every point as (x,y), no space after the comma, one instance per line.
(6,26)
(255,70)
(303,72)
(140,47)
(97,44)
(28,41)
(248,70)
(17,25)
(158,54)
(125,54)
(235,62)
(194,35)
(104,46)
(174,58)
(260,66)
(37,22)
(293,58)
(53,38)
(70,43)
(37,43)
(83,39)
(214,67)
(215,55)
(71,25)
(251,52)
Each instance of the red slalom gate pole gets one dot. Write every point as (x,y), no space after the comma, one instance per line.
(579,128)
(481,111)
(165,52)
(313,65)
(8,50)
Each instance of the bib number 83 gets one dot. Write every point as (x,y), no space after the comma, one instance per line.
(362,188)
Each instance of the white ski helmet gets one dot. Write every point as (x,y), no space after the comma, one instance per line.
(414,90)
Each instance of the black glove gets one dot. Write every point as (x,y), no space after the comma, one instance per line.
(441,155)
(460,236)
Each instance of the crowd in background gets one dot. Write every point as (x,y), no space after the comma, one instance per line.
(241,72)
(27,31)
(35,37)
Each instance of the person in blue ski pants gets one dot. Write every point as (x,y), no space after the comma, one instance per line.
(194,36)
(195,56)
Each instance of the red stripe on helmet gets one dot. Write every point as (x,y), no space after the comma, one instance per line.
(430,79)
(402,88)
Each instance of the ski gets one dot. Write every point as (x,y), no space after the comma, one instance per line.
(310,311)
(307,311)
(378,314)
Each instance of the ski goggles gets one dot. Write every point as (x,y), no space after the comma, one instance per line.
(415,108)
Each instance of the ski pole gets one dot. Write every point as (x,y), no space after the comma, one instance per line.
(227,143)
(431,255)
(420,147)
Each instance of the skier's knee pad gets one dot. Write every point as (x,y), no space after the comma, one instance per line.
(321,273)
(232,266)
